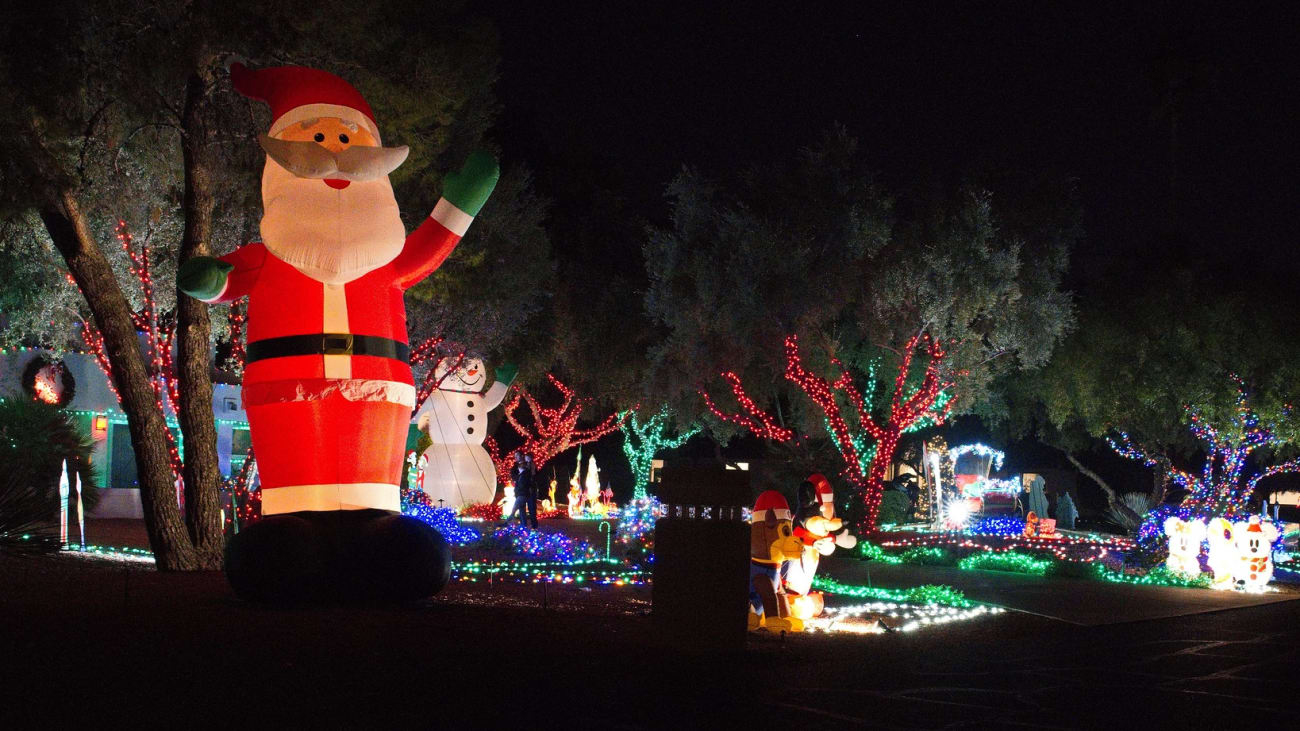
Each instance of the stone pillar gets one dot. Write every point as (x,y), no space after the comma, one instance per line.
(701,572)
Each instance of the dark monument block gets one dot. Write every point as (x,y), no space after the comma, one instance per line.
(701,573)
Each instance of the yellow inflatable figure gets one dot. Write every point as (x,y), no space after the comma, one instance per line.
(771,543)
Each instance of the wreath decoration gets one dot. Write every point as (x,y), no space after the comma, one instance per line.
(39,363)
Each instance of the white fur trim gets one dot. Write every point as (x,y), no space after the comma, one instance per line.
(452,218)
(313,111)
(336,321)
(352,496)
(761,515)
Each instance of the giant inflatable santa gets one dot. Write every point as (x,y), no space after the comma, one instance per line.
(327,385)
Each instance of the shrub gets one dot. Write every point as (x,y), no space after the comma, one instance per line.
(35,440)
(895,507)
(928,557)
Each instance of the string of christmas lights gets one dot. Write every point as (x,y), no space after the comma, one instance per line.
(926,594)
(893,617)
(555,430)
(1013,561)
(1064,548)
(754,419)
(555,547)
(444,521)
(865,465)
(236,319)
(641,442)
(243,497)
(1218,491)
(535,572)
(996,456)
(428,353)
(159,331)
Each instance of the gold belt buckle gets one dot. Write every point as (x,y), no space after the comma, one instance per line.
(337,344)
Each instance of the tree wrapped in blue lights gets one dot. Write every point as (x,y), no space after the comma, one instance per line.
(1219,490)
(642,441)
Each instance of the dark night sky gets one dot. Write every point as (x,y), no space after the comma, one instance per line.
(618,96)
(609,100)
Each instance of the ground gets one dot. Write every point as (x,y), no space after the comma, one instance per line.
(114,644)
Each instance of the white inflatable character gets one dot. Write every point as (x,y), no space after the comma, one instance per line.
(1185,538)
(820,533)
(1254,544)
(575,499)
(1222,558)
(454,416)
(592,502)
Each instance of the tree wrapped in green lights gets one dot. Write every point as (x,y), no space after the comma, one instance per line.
(1219,490)
(642,441)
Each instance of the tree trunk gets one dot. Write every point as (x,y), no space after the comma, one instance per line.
(1112,498)
(875,487)
(193,362)
(93,274)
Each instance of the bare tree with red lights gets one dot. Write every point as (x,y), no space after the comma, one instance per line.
(428,353)
(554,430)
(159,330)
(866,443)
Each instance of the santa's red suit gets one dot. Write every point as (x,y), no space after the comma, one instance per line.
(346,405)
(327,385)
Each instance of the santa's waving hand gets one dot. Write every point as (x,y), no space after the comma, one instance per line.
(327,385)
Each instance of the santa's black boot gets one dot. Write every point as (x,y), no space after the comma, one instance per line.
(397,558)
(280,559)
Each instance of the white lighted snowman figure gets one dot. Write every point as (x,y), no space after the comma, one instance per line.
(455,418)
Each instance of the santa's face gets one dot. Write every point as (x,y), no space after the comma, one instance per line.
(329,206)
(468,378)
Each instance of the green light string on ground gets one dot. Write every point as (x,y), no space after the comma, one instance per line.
(927,594)
(537,572)
(1020,563)
(872,552)
(1158,576)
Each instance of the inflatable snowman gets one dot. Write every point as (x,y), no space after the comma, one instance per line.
(454,416)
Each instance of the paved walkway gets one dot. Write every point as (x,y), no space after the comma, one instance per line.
(1077,601)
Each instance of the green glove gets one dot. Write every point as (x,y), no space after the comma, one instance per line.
(506,373)
(203,277)
(468,189)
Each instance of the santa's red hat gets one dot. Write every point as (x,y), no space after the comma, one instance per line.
(1254,526)
(770,501)
(297,93)
(822,487)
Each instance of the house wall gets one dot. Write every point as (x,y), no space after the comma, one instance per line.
(94,403)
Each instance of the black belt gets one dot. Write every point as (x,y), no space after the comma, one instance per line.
(327,344)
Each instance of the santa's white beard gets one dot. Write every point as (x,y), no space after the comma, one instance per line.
(332,236)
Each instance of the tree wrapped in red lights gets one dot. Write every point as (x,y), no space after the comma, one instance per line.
(555,430)
(499,462)
(159,330)
(243,503)
(428,353)
(865,443)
